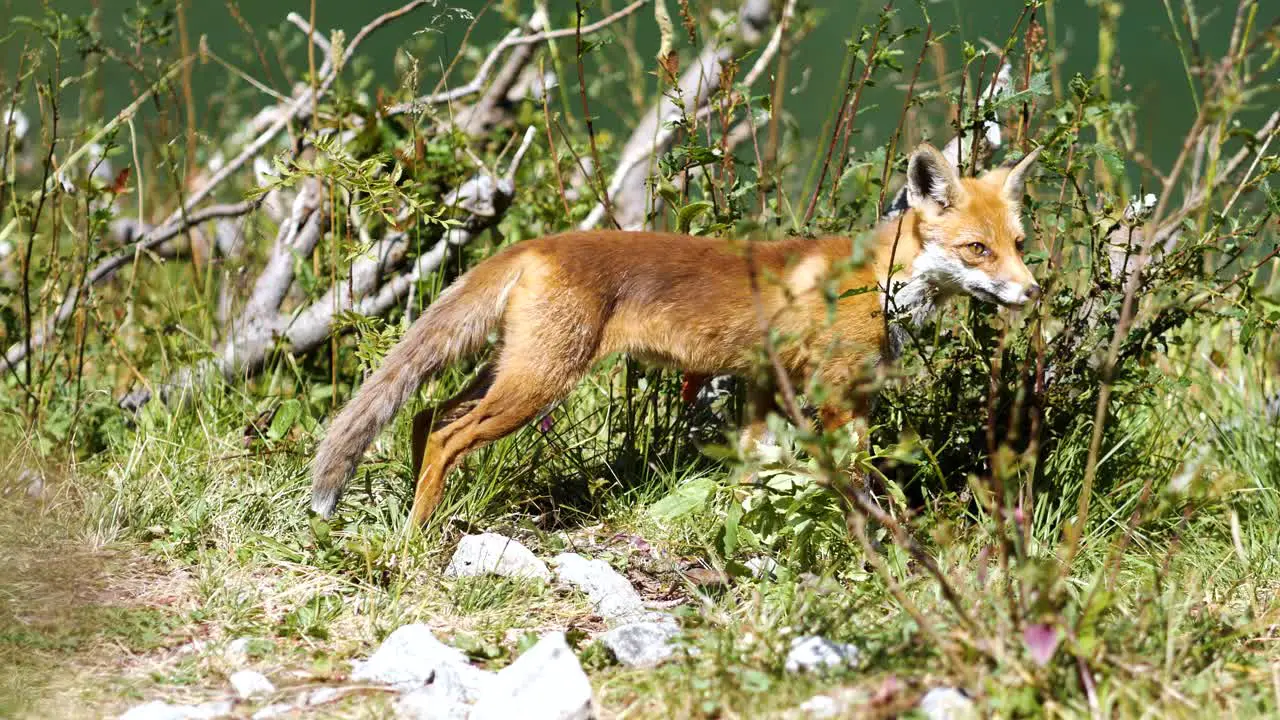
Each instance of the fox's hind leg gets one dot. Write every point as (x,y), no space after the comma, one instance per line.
(547,348)
(436,417)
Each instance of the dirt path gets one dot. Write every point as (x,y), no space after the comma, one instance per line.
(81,624)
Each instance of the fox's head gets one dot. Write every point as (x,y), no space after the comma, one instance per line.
(971,228)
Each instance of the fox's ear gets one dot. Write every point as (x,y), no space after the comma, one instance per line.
(931,179)
(1015,181)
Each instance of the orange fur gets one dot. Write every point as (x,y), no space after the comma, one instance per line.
(564,302)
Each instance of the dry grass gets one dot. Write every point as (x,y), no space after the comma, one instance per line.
(81,624)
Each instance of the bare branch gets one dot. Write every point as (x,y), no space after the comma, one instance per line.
(314,35)
(655,131)
(186,217)
(512,40)
(483,199)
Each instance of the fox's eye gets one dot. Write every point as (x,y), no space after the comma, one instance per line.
(1020,244)
(979,249)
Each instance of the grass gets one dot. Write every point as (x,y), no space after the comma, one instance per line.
(171,547)
(180,510)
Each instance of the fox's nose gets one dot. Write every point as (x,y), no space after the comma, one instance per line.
(1033,292)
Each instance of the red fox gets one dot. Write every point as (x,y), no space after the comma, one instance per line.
(562,303)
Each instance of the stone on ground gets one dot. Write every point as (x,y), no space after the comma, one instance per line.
(815,653)
(273,711)
(251,684)
(493,554)
(320,696)
(545,683)
(237,651)
(644,643)
(412,657)
(611,594)
(430,703)
(820,706)
(946,703)
(763,568)
(833,703)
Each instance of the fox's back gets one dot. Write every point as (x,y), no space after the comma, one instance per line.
(690,300)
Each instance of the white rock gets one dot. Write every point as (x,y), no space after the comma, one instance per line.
(820,706)
(813,652)
(947,704)
(251,684)
(320,696)
(273,711)
(762,567)
(610,593)
(545,683)
(641,644)
(430,703)
(412,657)
(490,553)
(157,710)
(237,652)
(834,703)
(191,648)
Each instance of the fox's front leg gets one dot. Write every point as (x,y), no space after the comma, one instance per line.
(755,428)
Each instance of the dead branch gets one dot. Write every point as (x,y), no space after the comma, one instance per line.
(377,282)
(627,191)
(514,39)
(186,216)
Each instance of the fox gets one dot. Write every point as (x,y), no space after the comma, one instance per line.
(560,304)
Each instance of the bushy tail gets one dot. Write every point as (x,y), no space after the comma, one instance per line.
(454,326)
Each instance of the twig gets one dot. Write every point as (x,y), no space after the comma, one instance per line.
(315,37)
(185,216)
(902,120)
(513,39)
(656,130)
(555,158)
(586,116)
(1166,233)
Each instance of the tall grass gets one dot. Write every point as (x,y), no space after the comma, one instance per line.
(1071,510)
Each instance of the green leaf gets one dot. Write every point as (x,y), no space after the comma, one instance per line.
(856,291)
(687,214)
(285,418)
(1109,157)
(732,522)
(721,453)
(683,500)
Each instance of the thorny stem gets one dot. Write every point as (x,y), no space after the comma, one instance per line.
(1108,365)
(902,119)
(867,68)
(45,187)
(551,148)
(841,118)
(597,170)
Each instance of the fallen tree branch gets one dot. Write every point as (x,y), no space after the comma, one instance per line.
(627,190)
(512,40)
(483,200)
(185,217)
